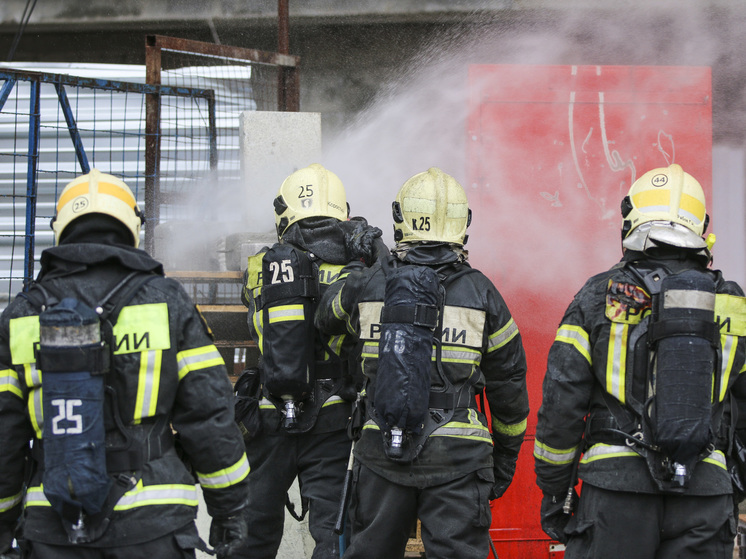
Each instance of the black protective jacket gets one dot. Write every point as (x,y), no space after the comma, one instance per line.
(481,347)
(166,379)
(592,380)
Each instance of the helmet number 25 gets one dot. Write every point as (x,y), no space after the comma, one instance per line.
(421,224)
(282,272)
(66,412)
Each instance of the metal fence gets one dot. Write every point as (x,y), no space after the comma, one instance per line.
(164,128)
(55,126)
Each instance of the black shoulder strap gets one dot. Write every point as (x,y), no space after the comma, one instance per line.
(124,291)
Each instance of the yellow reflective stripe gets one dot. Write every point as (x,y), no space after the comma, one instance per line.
(616,360)
(148,383)
(285,313)
(166,494)
(198,358)
(370,349)
(8,503)
(335,343)
(225,477)
(717,458)
(332,400)
(502,336)
(601,451)
(265,404)
(555,456)
(35,498)
(459,355)
(576,337)
(32,376)
(510,430)
(141,328)
(473,430)
(728,345)
(24,333)
(337,308)
(9,382)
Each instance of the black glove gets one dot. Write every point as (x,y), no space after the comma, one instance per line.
(360,240)
(553,518)
(228,534)
(503,468)
(499,489)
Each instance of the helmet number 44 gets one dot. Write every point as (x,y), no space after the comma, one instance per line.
(282,272)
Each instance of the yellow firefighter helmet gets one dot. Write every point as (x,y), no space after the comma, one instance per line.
(665,206)
(310,192)
(97,193)
(431,207)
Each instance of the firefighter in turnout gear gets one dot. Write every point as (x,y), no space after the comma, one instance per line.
(434,334)
(643,390)
(306,386)
(109,378)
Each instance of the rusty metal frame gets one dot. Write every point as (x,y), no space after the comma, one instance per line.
(288,99)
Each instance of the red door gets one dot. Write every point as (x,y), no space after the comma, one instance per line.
(551,152)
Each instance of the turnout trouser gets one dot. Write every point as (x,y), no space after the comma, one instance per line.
(616,525)
(455,517)
(319,461)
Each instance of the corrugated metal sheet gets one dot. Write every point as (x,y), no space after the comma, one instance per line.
(112,129)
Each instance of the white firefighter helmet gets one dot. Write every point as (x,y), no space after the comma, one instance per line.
(97,193)
(310,192)
(665,206)
(431,206)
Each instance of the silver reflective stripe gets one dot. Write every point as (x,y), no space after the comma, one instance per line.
(9,382)
(35,498)
(370,349)
(576,337)
(175,494)
(460,355)
(502,336)
(472,430)
(554,455)
(616,364)
(688,299)
(284,313)
(9,502)
(148,384)
(333,400)
(728,345)
(226,477)
(717,458)
(601,451)
(337,308)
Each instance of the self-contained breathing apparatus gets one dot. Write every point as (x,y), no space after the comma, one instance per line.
(404,404)
(677,346)
(74,357)
(290,291)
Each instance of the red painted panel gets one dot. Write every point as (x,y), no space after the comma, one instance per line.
(551,152)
